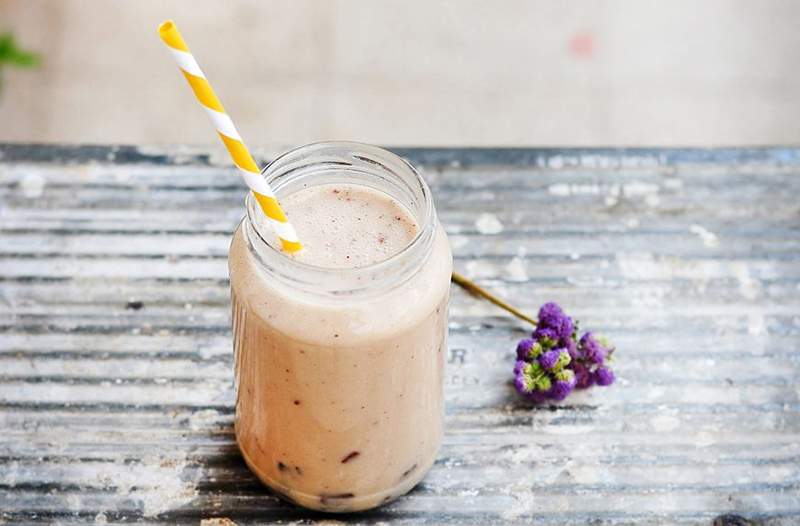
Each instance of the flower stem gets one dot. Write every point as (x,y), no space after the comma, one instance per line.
(473,288)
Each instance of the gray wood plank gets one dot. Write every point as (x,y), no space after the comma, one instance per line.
(688,259)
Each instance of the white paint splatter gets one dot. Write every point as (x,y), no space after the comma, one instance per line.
(756,325)
(523,504)
(704,439)
(564,190)
(748,287)
(9,474)
(158,483)
(597,161)
(488,224)
(457,241)
(636,189)
(477,268)
(560,189)
(639,189)
(32,185)
(571,430)
(556,162)
(709,238)
(612,197)
(665,423)
(642,266)
(516,270)
(202,419)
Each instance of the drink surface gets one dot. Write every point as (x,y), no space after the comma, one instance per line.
(345,225)
(339,402)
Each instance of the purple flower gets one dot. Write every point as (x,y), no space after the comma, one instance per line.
(559,324)
(591,350)
(604,376)
(572,348)
(553,363)
(549,359)
(561,389)
(522,380)
(543,332)
(550,314)
(524,349)
(583,376)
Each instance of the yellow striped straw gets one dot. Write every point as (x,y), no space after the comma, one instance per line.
(230,137)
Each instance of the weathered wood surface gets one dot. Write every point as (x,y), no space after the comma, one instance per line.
(688,259)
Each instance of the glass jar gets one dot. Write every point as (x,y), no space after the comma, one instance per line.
(339,372)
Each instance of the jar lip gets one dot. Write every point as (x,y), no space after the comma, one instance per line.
(293,268)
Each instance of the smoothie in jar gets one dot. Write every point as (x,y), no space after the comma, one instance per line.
(339,349)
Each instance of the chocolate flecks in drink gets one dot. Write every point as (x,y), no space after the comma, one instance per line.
(350,456)
(408,472)
(297,402)
(282,466)
(325,499)
(298,470)
(347,226)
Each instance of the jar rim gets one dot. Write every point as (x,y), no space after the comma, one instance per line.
(301,161)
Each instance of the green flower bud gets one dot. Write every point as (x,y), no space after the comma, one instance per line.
(563,360)
(544,383)
(564,375)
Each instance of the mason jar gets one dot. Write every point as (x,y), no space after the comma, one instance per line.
(339,371)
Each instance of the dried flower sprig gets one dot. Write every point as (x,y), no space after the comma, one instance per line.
(553,361)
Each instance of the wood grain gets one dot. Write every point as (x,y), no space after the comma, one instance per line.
(115,363)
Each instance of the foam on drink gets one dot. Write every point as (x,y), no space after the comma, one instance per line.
(345,226)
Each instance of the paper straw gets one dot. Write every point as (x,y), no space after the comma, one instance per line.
(230,137)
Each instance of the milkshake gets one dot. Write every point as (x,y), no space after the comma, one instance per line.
(339,349)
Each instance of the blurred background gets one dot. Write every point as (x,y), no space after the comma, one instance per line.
(411,72)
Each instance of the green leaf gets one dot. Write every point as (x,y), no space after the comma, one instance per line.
(11,54)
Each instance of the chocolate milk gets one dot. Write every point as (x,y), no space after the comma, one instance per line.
(339,399)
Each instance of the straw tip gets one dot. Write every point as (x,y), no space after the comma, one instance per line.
(291,246)
(166,26)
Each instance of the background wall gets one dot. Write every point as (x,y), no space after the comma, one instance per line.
(412,72)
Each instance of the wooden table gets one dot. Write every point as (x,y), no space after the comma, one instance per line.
(115,355)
